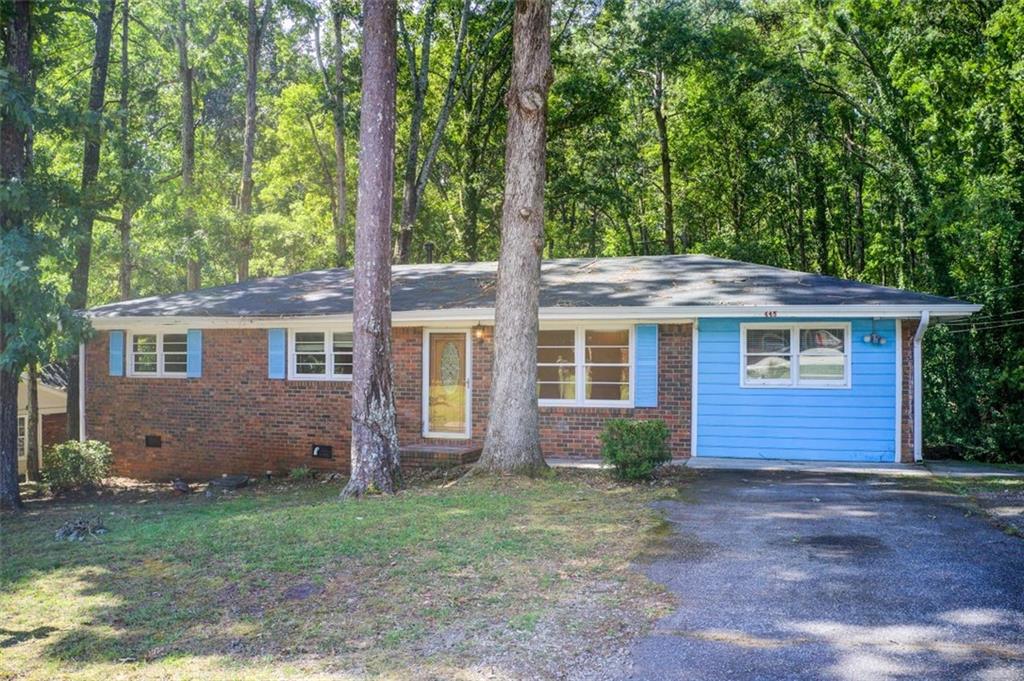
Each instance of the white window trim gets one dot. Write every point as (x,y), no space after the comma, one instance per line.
(580,365)
(23,423)
(794,343)
(425,383)
(293,375)
(159,373)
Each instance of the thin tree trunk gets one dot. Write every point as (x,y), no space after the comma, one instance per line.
(666,164)
(188,150)
(420,81)
(821,230)
(15,159)
(512,443)
(124,227)
(79,295)
(32,427)
(256,27)
(338,100)
(375,463)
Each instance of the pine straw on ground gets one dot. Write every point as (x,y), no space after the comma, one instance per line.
(500,578)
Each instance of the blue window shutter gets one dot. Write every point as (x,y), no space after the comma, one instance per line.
(115,355)
(646,365)
(275,353)
(194,359)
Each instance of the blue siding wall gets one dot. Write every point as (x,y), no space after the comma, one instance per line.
(850,424)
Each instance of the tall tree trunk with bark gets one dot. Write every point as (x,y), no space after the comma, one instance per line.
(666,163)
(124,226)
(32,427)
(188,149)
(375,463)
(79,295)
(15,158)
(512,443)
(821,230)
(256,29)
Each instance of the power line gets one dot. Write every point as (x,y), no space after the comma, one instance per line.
(991,327)
(992,290)
(993,317)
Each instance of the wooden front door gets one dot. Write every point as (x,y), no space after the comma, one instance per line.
(447,398)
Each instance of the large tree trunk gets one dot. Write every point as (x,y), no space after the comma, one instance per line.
(124,226)
(194,267)
(375,464)
(79,296)
(666,164)
(512,443)
(257,26)
(338,101)
(15,155)
(821,230)
(32,427)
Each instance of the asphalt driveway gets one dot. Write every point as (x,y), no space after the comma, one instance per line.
(783,575)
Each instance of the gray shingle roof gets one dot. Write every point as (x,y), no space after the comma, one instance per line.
(650,281)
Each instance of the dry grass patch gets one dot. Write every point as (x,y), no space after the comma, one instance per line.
(503,577)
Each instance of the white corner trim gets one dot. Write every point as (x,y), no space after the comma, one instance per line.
(694,353)
(918,387)
(81,392)
(899,391)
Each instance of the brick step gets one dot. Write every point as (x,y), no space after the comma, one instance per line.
(437,456)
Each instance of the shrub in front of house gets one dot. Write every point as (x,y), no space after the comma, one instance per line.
(72,464)
(634,449)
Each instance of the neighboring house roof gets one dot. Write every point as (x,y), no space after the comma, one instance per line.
(671,281)
(53,376)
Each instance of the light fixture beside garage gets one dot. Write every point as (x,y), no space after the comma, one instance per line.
(874,338)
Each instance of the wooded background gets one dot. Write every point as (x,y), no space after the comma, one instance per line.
(869,139)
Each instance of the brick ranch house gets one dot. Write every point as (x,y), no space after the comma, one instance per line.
(740,360)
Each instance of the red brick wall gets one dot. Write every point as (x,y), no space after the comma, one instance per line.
(236,420)
(907,390)
(55,430)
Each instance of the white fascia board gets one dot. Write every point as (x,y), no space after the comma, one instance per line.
(485,316)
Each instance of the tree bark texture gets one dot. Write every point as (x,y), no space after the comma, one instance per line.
(255,31)
(124,227)
(188,149)
(375,463)
(15,154)
(512,443)
(32,427)
(79,295)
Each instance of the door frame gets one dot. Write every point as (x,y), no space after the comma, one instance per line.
(425,387)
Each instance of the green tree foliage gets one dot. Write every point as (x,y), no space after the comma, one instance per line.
(869,139)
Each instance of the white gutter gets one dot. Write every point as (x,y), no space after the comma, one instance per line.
(918,386)
(81,392)
(663,314)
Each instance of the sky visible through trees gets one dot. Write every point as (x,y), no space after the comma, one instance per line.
(874,140)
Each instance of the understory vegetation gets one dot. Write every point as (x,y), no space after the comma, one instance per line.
(283,580)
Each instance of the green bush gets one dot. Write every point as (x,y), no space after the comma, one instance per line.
(301,473)
(74,464)
(635,448)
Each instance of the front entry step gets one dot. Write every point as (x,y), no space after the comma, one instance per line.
(438,456)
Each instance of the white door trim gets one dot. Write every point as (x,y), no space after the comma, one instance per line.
(425,388)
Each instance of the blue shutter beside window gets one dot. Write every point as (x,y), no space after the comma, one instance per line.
(646,365)
(115,354)
(276,342)
(194,356)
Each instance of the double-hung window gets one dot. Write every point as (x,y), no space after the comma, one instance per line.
(22,436)
(321,355)
(805,355)
(585,366)
(158,355)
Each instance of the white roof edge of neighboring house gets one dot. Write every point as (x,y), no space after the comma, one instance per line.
(485,316)
(44,386)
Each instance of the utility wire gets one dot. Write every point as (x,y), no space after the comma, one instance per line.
(993,317)
(1006,325)
(992,290)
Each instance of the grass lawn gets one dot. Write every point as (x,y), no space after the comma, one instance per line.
(488,578)
(1000,498)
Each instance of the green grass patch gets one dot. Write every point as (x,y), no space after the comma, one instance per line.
(287,580)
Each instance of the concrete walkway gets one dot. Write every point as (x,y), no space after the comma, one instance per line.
(951,469)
